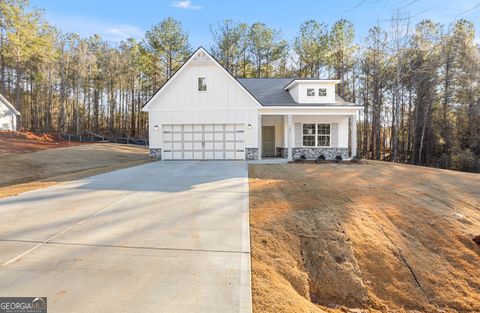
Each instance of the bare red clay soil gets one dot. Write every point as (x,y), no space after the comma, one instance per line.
(23,142)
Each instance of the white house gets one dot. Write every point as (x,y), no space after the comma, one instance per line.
(8,115)
(202,112)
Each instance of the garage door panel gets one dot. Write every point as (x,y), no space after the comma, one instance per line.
(207,141)
(198,155)
(208,136)
(219,146)
(187,145)
(167,146)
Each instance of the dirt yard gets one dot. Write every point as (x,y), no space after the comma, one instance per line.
(23,142)
(28,171)
(374,237)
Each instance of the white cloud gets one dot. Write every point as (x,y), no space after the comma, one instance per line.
(185,5)
(86,27)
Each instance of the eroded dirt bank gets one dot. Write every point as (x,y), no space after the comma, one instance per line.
(376,237)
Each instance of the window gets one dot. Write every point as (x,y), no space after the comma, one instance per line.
(310,92)
(309,135)
(202,84)
(316,135)
(322,92)
(323,135)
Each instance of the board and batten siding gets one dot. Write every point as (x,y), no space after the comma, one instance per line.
(224,102)
(8,118)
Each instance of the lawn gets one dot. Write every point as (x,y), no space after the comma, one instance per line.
(23,170)
(374,236)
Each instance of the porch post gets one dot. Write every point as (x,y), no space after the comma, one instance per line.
(354,135)
(290,136)
(259,136)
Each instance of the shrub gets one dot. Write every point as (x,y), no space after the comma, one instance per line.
(320,158)
(301,158)
(338,158)
(465,160)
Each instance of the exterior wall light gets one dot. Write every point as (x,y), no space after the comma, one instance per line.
(155,127)
(249,126)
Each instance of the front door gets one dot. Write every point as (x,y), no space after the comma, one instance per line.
(268,141)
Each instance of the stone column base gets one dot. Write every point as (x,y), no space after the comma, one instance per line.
(251,153)
(155,154)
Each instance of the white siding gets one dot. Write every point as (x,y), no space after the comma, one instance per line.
(224,102)
(300,92)
(294,93)
(8,119)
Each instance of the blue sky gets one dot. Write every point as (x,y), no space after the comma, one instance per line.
(117,20)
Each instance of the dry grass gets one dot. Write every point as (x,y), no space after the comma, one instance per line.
(375,237)
(28,171)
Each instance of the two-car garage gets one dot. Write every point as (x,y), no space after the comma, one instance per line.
(204,142)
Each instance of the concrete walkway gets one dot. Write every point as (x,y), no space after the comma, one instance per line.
(162,237)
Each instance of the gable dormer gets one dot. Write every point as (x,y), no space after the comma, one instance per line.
(312,90)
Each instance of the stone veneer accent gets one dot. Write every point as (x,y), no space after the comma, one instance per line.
(282,152)
(251,153)
(313,153)
(155,154)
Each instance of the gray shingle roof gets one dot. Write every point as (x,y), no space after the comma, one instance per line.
(270,92)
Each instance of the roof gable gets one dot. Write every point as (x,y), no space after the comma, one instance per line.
(9,105)
(199,57)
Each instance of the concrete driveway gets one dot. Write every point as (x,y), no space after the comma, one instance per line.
(161,237)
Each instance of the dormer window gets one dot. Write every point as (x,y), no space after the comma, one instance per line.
(322,92)
(202,84)
(310,92)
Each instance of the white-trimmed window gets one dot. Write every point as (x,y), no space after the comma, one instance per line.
(309,135)
(202,84)
(310,92)
(316,135)
(322,92)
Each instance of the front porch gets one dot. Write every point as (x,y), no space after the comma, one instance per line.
(306,136)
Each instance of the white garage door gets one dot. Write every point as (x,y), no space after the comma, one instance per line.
(204,142)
